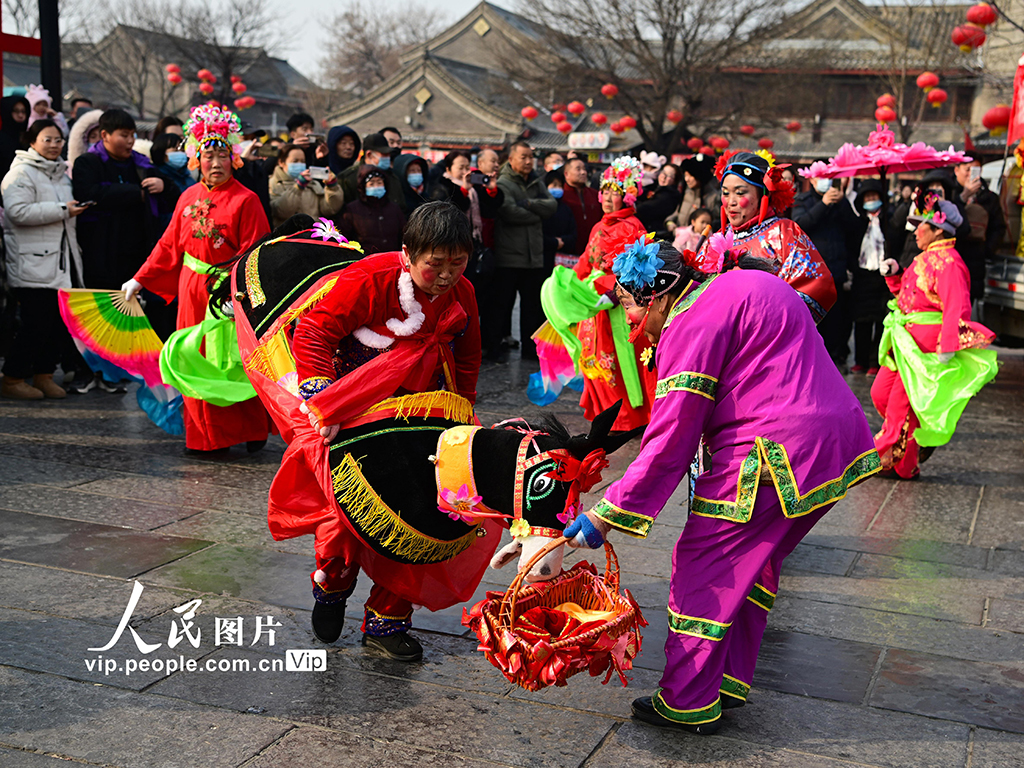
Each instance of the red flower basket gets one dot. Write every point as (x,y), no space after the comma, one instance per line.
(524,634)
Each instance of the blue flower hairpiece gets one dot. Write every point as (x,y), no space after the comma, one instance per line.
(638,265)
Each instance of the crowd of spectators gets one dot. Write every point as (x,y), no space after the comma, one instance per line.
(98,207)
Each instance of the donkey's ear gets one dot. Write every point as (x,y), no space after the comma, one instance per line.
(612,444)
(580,445)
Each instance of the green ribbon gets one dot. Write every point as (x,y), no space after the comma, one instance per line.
(204,362)
(938,392)
(567,300)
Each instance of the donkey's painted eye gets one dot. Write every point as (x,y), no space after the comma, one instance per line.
(540,484)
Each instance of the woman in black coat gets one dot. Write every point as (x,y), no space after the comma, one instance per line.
(656,205)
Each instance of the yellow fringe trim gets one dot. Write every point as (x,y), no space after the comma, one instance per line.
(376,520)
(456,407)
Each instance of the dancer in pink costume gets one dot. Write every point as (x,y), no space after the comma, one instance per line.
(740,362)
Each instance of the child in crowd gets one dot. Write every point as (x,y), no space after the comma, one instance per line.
(687,237)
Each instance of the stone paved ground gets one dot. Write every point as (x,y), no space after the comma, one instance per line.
(897,638)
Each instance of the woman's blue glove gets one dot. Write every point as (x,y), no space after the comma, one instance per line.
(583,533)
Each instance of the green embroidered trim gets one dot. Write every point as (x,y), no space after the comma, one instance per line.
(733,687)
(691,625)
(746,494)
(761,597)
(632,523)
(689,716)
(793,503)
(687,301)
(379,432)
(688,381)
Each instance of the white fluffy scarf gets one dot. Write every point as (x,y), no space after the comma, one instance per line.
(406,327)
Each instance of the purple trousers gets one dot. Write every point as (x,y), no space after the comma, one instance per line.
(725,576)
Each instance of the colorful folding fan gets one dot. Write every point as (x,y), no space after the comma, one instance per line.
(556,368)
(113,328)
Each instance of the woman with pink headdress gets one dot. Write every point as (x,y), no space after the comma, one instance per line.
(580,306)
(213,221)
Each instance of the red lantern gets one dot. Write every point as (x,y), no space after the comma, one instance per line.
(706,150)
(719,143)
(674,116)
(205,74)
(997,119)
(174,78)
(616,128)
(558,117)
(765,143)
(627,122)
(793,126)
(599,118)
(695,143)
(747,130)
(564,127)
(173,69)
(981,14)
(576,108)
(529,112)
(967,37)
(206,88)
(610,90)
(236,78)
(937,97)
(885,114)
(886,100)
(239,88)
(927,81)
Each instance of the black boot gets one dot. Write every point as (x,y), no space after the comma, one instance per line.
(328,620)
(401,646)
(643,709)
(255,445)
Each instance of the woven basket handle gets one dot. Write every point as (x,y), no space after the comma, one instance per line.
(506,611)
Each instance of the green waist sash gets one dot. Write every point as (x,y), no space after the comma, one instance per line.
(938,392)
(203,361)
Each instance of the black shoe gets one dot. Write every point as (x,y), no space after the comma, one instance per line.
(925,453)
(890,474)
(643,709)
(255,445)
(328,621)
(511,342)
(732,702)
(83,383)
(400,646)
(113,387)
(211,453)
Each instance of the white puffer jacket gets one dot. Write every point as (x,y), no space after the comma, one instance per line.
(40,236)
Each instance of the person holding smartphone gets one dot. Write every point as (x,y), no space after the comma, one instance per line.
(42,256)
(984,214)
(827,217)
(294,188)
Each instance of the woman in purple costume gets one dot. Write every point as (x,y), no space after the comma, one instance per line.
(740,362)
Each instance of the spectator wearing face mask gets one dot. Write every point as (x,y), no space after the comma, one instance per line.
(171,165)
(411,171)
(552,161)
(869,295)
(376,152)
(372,218)
(302,133)
(294,190)
(560,229)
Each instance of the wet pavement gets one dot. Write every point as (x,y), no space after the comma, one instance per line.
(897,638)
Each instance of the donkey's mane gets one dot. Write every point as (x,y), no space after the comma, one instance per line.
(555,428)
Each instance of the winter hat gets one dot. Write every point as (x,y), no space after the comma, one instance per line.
(930,208)
(626,176)
(210,125)
(34,94)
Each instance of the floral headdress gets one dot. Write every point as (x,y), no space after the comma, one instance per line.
(643,273)
(626,175)
(929,207)
(760,170)
(210,125)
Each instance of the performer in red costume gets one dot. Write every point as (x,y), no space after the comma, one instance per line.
(212,222)
(411,319)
